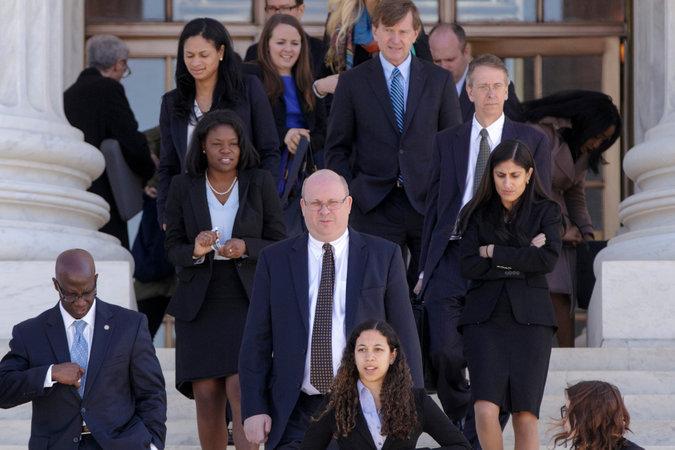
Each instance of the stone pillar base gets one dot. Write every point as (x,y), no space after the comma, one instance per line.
(633,305)
(27,289)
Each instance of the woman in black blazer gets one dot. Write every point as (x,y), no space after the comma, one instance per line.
(208,77)
(222,190)
(372,403)
(283,66)
(511,238)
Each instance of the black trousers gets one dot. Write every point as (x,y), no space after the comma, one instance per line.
(306,407)
(396,220)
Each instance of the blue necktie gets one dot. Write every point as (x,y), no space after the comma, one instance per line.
(396,93)
(79,351)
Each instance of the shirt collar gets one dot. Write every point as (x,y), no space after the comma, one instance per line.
(68,320)
(388,68)
(460,84)
(366,398)
(339,244)
(494,130)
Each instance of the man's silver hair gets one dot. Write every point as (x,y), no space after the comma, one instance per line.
(104,50)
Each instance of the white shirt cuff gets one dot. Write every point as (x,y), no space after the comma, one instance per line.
(48,378)
(421,277)
(198,260)
(152,446)
(316,91)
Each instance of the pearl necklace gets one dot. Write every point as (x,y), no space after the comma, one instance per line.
(221,193)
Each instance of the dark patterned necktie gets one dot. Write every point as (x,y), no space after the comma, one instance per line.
(481,162)
(321,360)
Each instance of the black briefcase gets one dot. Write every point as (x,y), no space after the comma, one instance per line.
(586,253)
(420,314)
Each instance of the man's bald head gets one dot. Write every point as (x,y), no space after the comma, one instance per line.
(449,49)
(326,205)
(75,281)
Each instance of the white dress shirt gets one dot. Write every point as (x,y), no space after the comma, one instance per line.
(223,215)
(460,84)
(88,333)
(315,261)
(371,414)
(404,68)
(494,138)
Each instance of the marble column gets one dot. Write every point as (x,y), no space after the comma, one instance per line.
(633,302)
(45,168)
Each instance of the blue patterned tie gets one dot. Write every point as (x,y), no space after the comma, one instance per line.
(396,93)
(79,351)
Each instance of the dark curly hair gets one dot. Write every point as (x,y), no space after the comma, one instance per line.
(229,87)
(591,114)
(399,414)
(596,415)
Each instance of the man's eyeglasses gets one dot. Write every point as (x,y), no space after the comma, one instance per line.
(127,70)
(332,205)
(563,411)
(72,298)
(279,9)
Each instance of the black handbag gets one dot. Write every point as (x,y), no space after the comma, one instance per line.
(420,315)
(586,254)
(150,259)
(290,199)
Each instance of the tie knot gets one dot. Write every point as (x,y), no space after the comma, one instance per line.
(395,73)
(328,248)
(79,325)
(484,133)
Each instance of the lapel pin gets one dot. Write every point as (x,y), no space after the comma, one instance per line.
(106,327)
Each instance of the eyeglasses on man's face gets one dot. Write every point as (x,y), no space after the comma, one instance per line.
(72,298)
(563,411)
(279,9)
(332,205)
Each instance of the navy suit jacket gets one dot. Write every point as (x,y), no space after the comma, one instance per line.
(274,347)
(124,402)
(363,143)
(512,108)
(446,189)
(254,111)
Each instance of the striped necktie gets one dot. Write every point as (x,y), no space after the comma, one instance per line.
(481,162)
(396,94)
(79,351)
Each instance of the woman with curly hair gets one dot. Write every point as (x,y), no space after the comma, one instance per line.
(594,417)
(372,402)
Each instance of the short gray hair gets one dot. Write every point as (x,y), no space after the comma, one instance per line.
(104,50)
(486,60)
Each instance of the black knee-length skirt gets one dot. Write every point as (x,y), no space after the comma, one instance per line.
(208,346)
(508,361)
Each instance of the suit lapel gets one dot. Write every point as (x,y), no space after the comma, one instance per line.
(416,83)
(356,266)
(179,130)
(381,89)
(103,330)
(200,207)
(56,334)
(461,153)
(243,181)
(299,271)
(362,427)
(509,130)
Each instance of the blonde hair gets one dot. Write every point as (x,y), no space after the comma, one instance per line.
(343,15)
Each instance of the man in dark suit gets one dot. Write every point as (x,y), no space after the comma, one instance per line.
(460,155)
(309,292)
(295,8)
(384,115)
(97,105)
(89,368)
(450,51)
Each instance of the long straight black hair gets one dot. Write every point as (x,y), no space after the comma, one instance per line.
(229,87)
(487,202)
(591,114)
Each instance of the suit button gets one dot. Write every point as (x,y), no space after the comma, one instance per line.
(400,151)
(83,410)
(76,439)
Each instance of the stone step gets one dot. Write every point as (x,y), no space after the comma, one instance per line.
(628,381)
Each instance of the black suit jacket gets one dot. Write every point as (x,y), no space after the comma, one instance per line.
(258,120)
(520,268)
(363,142)
(315,119)
(511,106)
(431,420)
(317,53)
(124,402)
(274,346)
(258,223)
(98,106)
(446,189)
